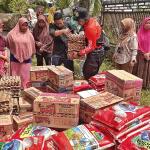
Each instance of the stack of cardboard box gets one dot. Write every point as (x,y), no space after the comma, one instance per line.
(57,110)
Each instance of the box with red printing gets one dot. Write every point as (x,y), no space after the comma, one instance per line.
(57,110)
(6,126)
(60,77)
(88,106)
(38,73)
(22,119)
(123,84)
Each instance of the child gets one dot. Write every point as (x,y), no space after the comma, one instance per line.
(3,52)
(126,50)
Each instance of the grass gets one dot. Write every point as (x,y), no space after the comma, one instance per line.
(107,65)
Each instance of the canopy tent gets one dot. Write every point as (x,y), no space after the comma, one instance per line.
(113,11)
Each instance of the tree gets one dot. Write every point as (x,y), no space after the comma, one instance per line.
(94,6)
(18,6)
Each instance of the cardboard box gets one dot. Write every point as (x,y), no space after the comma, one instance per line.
(51,103)
(57,110)
(22,119)
(60,77)
(25,105)
(6,126)
(31,93)
(60,121)
(90,105)
(38,73)
(123,84)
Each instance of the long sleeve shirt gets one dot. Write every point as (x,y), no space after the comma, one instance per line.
(92,31)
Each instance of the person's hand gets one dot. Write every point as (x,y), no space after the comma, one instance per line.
(39,44)
(73,55)
(66,31)
(147,56)
(6,65)
(132,62)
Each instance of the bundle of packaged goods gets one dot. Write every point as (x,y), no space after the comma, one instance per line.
(76,42)
(139,140)
(123,84)
(25,105)
(122,119)
(83,137)
(22,119)
(39,73)
(31,137)
(4,102)
(30,94)
(10,87)
(57,110)
(39,77)
(60,78)
(6,126)
(81,85)
(98,81)
(89,106)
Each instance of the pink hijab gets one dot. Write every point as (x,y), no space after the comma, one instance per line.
(21,45)
(144,38)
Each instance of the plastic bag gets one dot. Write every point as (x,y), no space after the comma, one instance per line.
(121,114)
(33,130)
(135,124)
(85,137)
(140,140)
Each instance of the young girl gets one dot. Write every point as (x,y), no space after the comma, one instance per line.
(3,53)
(126,50)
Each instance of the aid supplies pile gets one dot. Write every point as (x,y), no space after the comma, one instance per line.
(58,113)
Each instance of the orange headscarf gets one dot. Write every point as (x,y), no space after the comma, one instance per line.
(21,45)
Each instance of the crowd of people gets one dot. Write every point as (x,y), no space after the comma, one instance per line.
(49,42)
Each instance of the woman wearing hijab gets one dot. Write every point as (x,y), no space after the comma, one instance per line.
(142,68)
(126,50)
(3,52)
(44,42)
(21,43)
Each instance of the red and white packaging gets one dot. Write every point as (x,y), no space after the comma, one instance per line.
(33,130)
(98,81)
(121,114)
(29,143)
(139,140)
(81,85)
(134,125)
(50,145)
(83,137)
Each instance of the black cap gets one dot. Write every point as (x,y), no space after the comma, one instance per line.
(80,13)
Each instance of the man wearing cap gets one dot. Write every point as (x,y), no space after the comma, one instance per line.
(95,50)
(59,32)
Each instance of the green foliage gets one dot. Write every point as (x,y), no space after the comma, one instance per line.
(18,6)
(96,7)
(61,4)
(4,6)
